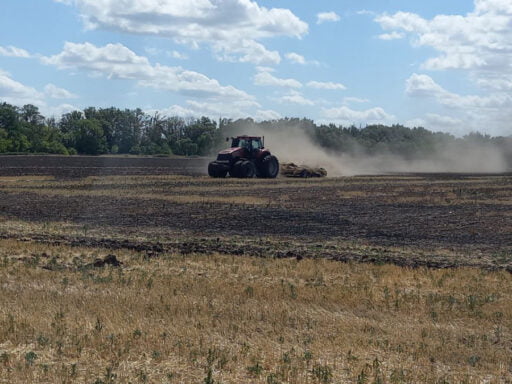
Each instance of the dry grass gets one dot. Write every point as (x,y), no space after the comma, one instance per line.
(138,194)
(175,318)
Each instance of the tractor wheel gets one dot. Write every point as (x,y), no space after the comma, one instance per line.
(248,170)
(236,169)
(213,169)
(269,167)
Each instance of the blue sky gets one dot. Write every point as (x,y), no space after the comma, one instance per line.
(444,65)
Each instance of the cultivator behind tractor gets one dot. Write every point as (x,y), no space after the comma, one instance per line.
(246,158)
(293,170)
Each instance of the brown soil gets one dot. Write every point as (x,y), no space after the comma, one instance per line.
(469,216)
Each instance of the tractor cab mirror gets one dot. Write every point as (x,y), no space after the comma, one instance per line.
(227,138)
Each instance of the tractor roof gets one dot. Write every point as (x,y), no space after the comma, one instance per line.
(248,137)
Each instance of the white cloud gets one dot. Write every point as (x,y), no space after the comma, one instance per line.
(480,41)
(267,114)
(348,100)
(346,116)
(58,110)
(296,58)
(391,36)
(295,97)
(365,12)
(178,55)
(326,85)
(55,92)
(173,54)
(214,110)
(323,17)
(436,122)
(264,78)
(235,109)
(233,27)
(117,61)
(16,93)
(246,51)
(406,21)
(264,69)
(11,51)
(174,110)
(439,123)
(425,86)
(299,59)
(422,85)
(490,113)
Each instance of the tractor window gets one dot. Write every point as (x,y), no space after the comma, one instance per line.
(240,143)
(256,144)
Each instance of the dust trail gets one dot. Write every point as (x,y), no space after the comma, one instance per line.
(295,145)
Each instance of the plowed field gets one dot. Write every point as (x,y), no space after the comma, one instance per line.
(434,220)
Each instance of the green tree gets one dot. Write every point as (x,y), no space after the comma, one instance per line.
(88,137)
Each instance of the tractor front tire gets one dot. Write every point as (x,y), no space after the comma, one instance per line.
(215,171)
(270,167)
(236,169)
(248,170)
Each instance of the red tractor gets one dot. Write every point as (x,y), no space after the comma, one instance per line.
(246,158)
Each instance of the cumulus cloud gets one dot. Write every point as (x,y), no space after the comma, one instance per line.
(58,110)
(299,59)
(436,122)
(117,61)
(480,41)
(326,85)
(55,92)
(233,27)
(178,55)
(246,51)
(440,123)
(424,86)
(267,114)
(346,116)
(490,113)
(391,36)
(11,51)
(16,93)
(265,78)
(296,58)
(174,110)
(295,97)
(348,100)
(236,110)
(323,17)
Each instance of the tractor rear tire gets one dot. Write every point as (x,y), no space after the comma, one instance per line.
(270,167)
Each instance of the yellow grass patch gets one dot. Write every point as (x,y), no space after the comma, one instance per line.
(239,319)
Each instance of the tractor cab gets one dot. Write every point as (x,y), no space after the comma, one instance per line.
(250,143)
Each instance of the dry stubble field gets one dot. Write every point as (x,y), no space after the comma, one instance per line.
(383,279)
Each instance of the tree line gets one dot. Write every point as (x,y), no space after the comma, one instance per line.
(95,131)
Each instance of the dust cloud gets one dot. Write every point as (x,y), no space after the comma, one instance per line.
(295,145)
